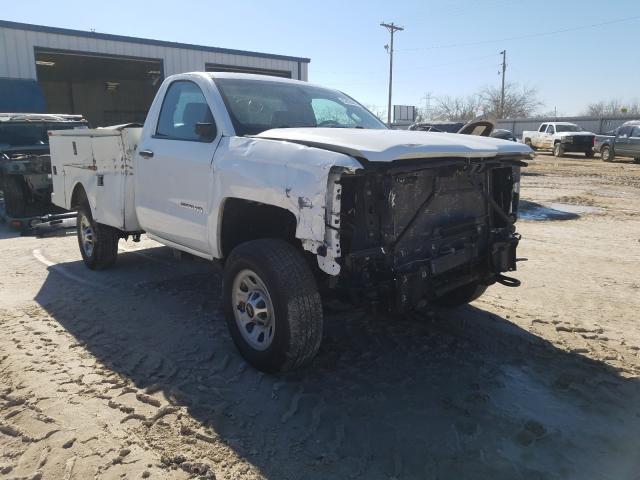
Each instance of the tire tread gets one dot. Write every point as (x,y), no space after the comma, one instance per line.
(106,247)
(295,281)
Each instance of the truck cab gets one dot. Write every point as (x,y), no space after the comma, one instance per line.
(296,189)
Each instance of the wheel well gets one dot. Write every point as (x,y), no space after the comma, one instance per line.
(78,196)
(244,220)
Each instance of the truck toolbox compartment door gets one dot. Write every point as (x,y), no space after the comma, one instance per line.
(72,159)
(110,178)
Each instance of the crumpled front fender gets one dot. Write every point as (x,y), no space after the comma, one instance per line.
(284,174)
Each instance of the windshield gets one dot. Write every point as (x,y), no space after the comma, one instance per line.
(259,105)
(568,128)
(30,134)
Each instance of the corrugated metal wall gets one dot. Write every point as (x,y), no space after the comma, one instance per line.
(17,54)
(591,124)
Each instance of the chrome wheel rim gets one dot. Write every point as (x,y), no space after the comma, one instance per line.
(253,309)
(87,237)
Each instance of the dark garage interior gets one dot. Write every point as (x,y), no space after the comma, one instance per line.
(106,89)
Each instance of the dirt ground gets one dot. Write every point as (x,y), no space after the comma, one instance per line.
(131,373)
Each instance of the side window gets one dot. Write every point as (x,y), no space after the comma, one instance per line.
(624,132)
(183,107)
(635,132)
(543,127)
(551,129)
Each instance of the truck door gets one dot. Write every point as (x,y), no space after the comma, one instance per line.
(622,144)
(634,143)
(548,136)
(174,168)
(538,139)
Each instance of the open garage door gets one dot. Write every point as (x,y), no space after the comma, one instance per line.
(106,89)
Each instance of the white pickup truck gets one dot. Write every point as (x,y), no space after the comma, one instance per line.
(297,189)
(560,137)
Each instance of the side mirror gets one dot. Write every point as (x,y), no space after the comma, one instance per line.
(206,131)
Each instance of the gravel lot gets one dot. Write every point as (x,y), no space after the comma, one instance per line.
(130,373)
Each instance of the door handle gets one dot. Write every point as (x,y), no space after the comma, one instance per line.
(146,153)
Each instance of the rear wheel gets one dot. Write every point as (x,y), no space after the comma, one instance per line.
(272,305)
(15,196)
(528,143)
(589,153)
(558,150)
(98,243)
(606,154)
(462,295)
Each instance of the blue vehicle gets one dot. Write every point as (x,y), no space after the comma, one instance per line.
(624,141)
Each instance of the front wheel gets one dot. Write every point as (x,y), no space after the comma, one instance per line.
(558,150)
(272,305)
(98,243)
(462,295)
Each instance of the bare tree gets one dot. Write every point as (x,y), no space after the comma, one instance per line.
(519,101)
(377,110)
(608,108)
(457,109)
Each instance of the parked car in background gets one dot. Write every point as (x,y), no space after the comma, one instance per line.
(504,135)
(479,127)
(437,126)
(560,137)
(299,189)
(25,164)
(623,141)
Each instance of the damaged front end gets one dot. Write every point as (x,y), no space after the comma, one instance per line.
(408,232)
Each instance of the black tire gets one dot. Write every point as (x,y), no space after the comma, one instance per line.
(15,196)
(606,154)
(527,142)
(293,293)
(461,295)
(589,153)
(104,240)
(558,150)
(636,160)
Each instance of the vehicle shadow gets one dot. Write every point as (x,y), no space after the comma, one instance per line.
(457,394)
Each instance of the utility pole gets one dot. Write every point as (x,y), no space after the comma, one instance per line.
(392,29)
(504,69)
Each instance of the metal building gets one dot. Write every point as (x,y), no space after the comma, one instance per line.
(111,79)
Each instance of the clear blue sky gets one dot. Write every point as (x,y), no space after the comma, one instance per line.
(345,42)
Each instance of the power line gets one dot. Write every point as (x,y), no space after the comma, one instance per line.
(491,66)
(411,69)
(521,37)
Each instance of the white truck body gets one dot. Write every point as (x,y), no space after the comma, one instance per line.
(408,215)
(181,207)
(560,137)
